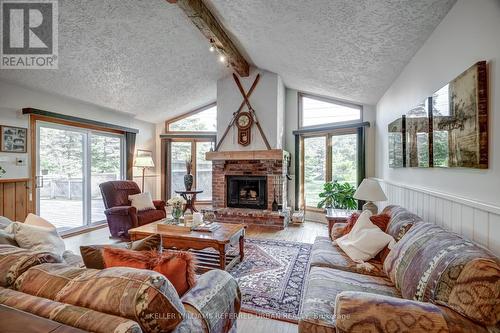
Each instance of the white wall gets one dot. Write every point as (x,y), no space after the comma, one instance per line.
(267,102)
(292,123)
(469,33)
(13,98)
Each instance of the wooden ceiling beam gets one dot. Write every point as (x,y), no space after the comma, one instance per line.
(206,22)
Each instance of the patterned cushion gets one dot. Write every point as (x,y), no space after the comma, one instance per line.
(323,287)
(71,315)
(14,261)
(401,221)
(430,264)
(325,254)
(143,296)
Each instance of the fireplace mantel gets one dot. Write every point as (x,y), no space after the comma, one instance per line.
(273,154)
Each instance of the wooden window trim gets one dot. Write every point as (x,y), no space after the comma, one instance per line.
(327,100)
(168,122)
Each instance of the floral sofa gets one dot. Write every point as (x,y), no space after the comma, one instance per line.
(114,300)
(432,280)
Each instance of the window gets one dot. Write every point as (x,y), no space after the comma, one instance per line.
(194,149)
(319,111)
(189,137)
(71,162)
(201,120)
(328,157)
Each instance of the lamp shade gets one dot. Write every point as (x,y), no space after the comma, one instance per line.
(370,190)
(144,162)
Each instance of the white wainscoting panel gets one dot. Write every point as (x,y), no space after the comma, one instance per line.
(475,220)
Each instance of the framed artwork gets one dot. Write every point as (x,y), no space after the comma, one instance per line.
(460,117)
(397,143)
(13,139)
(144,153)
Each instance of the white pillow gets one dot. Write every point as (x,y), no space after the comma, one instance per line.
(37,238)
(4,222)
(142,201)
(38,221)
(365,240)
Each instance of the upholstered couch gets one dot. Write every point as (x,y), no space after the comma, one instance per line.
(121,216)
(432,280)
(114,300)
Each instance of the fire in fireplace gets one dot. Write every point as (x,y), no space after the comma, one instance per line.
(247,192)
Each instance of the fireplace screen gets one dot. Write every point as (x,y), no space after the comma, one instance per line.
(247,192)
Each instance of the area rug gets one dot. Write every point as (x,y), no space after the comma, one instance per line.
(272,278)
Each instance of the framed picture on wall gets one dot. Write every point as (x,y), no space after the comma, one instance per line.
(13,139)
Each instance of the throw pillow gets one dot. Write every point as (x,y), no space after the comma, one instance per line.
(4,222)
(92,254)
(176,266)
(365,240)
(6,238)
(380,220)
(142,201)
(36,238)
(36,220)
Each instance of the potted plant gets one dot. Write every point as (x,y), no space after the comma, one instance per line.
(177,203)
(337,195)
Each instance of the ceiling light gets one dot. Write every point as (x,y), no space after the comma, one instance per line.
(212,48)
(222,58)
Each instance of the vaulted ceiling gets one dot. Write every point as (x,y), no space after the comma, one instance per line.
(148,59)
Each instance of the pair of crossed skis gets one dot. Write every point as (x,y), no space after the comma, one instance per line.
(246,96)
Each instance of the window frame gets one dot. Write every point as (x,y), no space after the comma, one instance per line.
(330,100)
(186,115)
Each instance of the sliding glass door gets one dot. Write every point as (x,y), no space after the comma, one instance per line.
(71,162)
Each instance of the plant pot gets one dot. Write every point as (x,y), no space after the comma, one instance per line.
(188,182)
(176,213)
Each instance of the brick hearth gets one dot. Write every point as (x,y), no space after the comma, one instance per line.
(265,217)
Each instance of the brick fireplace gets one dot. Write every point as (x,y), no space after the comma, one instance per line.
(245,184)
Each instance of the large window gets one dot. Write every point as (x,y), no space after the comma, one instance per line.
(188,138)
(71,163)
(330,144)
(319,111)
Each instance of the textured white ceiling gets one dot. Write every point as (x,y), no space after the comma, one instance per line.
(141,57)
(350,49)
(146,57)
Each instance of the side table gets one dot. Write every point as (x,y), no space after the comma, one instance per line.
(190,197)
(337,216)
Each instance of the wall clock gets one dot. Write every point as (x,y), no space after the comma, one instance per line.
(244,123)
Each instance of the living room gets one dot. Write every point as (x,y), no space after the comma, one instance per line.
(249,166)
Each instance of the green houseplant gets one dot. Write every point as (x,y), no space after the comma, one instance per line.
(338,196)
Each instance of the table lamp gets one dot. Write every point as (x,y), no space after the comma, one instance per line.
(144,162)
(370,191)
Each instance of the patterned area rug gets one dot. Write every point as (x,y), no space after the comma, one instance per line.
(272,278)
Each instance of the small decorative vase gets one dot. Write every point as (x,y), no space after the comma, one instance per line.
(176,213)
(188,181)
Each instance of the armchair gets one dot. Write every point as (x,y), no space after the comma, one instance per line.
(121,216)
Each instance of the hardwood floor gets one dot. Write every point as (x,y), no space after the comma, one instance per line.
(247,323)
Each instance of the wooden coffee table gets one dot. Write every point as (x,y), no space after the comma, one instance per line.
(226,237)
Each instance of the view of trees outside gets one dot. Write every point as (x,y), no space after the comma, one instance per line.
(61,157)
(344,164)
(203,171)
(345,159)
(314,169)
(203,121)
